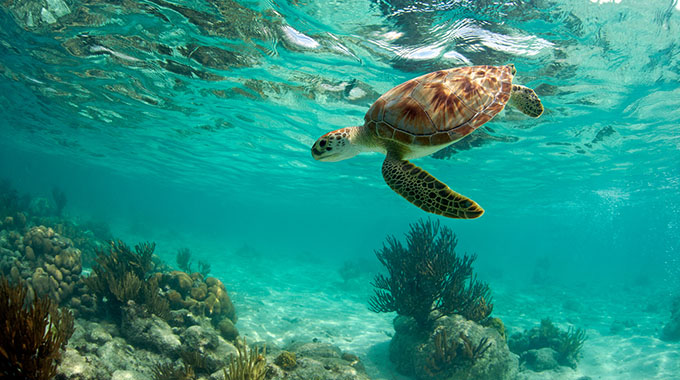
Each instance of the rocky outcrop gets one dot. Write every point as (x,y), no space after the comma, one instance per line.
(453,349)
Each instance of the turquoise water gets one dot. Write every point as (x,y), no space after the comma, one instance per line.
(190,123)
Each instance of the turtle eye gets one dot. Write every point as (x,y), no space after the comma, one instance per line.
(322,143)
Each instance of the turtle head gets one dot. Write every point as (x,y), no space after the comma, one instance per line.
(335,146)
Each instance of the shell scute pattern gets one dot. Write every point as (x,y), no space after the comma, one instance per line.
(384,130)
(407,115)
(443,106)
(375,113)
(403,137)
(440,138)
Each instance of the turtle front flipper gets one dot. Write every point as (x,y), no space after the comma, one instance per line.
(526,100)
(423,190)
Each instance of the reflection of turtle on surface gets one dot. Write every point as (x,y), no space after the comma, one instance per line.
(422,116)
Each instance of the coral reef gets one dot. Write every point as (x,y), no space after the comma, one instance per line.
(31,334)
(455,348)
(88,237)
(46,262)
(566,345)
(137,319)
(144,346)
(428,276)
(148,331)
(122,284)
(102,350)
(671,331)
(18,212)
(122,275)
(203,297)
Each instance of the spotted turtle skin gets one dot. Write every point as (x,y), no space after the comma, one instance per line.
(441,107)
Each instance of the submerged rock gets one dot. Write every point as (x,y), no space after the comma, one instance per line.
(128,375)
(454,349)
(286,360)
(227,329)
(203,344)
(542,359)
(314,360)
(75,366)
(149,331)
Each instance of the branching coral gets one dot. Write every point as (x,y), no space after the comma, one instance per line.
(203,268)
(248,365)
(184,259)
(123,275)
(570,344)
(428,276)
(184,262)
(31,335)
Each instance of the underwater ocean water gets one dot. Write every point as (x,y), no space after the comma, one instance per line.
(189,123)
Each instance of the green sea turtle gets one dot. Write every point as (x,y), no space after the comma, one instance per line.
(422,116)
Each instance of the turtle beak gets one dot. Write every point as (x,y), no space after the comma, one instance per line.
(324,155)
(319,151)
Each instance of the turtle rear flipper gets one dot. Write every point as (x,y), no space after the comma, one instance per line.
(526,100)
(425,191)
